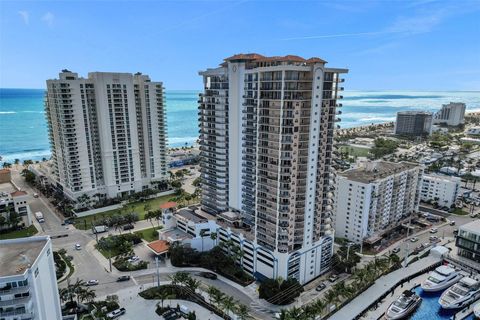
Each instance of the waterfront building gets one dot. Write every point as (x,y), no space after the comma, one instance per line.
(266,141)
(28,284)
(468,241)
(413,123)
(107,133)
(452,114)
(15,201)
(375,198)
(441,189)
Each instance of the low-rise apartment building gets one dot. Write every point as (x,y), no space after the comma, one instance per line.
(28,284)
(468,241)
(441,189)
(15,201)
(375,198)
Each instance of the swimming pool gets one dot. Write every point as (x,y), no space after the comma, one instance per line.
(429,309)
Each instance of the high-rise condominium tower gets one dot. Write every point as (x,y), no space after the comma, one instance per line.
(266,134)
(107,133)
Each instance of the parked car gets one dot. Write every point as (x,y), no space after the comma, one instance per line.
(123,278)
(452,223)
(78,246)
(92,282)
(133,259)
(396,250)
(116,313)
(433,239)
(171,314)
(209,275)
(455,232)
(414,239)
(433,230)
(320,287)
(128,227)
(333,278)
(35,195)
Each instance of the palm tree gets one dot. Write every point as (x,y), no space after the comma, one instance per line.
(331,298)
(158,216)
(179,278)
(162,294)
(64,294)
(341,289)
(319,306)
(295,313)
(192,284)
(148,216)
(213,236)
(243,312)
(203,232)
(216,296)
(228,304)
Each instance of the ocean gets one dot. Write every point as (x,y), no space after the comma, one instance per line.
(23,129)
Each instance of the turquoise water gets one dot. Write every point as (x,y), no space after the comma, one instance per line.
(23,131)
(430,309)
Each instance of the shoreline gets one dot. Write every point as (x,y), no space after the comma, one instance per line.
(46,154)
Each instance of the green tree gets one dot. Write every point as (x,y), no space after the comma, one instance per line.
(242,312)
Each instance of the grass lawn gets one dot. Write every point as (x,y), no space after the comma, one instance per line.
(85,223)
(28,232)
(354,151)
(460,212)
(149,234)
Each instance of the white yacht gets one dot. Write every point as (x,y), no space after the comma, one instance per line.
(403,306)
(476,311)
(460,294)
(440,279)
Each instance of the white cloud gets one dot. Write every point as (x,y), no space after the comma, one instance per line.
(402,26)
(25,16)
(48,18)
(418,24)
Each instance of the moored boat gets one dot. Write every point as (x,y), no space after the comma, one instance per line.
(440,279)
(460,294)
(403,306)
(476,310)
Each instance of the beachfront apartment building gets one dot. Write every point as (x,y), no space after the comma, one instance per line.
(107,133)
(374,199)
(452,114)
(266,139)
(28,284)
(441,189)
(413,123)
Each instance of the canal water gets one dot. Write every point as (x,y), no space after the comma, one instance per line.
(429,309)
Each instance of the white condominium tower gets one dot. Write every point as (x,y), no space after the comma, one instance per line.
(266,135)
(375,199)
(452,114)
(107,133)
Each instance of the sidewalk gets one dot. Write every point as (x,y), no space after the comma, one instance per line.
(381,287)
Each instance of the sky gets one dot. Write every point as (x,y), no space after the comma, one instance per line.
(386,44)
